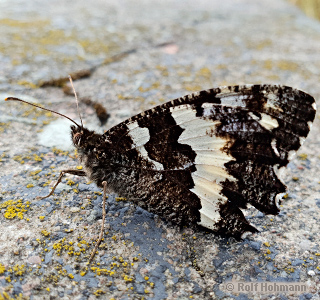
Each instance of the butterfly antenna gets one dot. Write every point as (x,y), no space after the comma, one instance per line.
(17,99)
(75,94)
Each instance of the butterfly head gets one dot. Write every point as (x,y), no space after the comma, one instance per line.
(83,139)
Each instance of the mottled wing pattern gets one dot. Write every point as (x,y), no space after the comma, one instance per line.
(203,157)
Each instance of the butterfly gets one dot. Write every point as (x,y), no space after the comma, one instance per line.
(201,158)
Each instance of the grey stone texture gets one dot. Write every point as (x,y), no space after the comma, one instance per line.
(138,54)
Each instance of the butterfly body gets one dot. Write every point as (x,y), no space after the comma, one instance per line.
(201,158)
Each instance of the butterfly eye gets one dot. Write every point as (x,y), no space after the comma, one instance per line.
(77,139)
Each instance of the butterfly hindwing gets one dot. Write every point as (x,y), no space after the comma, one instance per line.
(202,157)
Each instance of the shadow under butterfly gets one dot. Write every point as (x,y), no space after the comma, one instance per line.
(201,158)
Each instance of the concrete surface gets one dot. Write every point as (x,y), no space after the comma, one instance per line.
(139,54)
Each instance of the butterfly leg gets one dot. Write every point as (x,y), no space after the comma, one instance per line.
(104,184)
(62,173)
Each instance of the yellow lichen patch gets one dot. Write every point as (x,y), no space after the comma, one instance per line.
(18,270)
(32,112)
(33,173)
(303,156)
(45,232)
(36,157)
(68,246)
(102,271)
(99,293)
(280,65)
(19,158)
(204,72)
(268,64)
(14,208)
(3,126)
(287,65)
(46,183)
(59,151)
(23,24)
(267,244)
(5,296)
(79,167)
(63,272)
(127,278)
(263,44)
(27,84)
(78,250)
(70,182)
(163,70)
(120,199)
(3,155)
(28,156)
(2,268)
(155,85)
(30,185)
(193,88)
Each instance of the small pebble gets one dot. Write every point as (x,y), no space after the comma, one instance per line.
(74,209)
(34,260)
(311,273)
